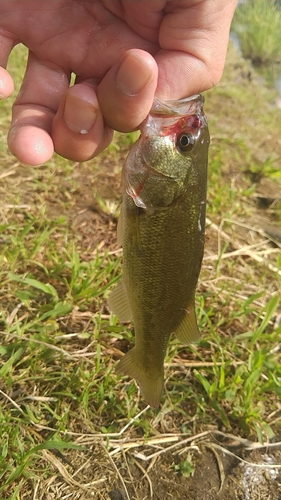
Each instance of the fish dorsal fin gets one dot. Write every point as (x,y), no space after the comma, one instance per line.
(118,303)
(187,330)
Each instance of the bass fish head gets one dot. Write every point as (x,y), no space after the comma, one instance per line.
(169,153)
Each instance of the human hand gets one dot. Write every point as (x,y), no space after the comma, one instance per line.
(122,53)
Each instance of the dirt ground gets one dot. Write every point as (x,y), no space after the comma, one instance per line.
(210,469)
(218,473)
(215,469)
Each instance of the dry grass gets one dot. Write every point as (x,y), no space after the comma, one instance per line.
(69,427)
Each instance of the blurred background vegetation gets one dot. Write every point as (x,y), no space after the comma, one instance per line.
(257,24)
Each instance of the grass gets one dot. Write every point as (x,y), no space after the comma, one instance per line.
(65,417)
(258,26)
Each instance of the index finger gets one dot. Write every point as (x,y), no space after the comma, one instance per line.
(193,41)
(6,81)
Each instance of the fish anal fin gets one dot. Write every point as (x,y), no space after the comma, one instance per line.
(150,382)
(118,303)
(187,330)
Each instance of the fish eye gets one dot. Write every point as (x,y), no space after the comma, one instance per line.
(185,141)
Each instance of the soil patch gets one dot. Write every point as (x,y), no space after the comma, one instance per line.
(213,474)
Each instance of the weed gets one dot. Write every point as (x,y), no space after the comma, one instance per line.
(68,425)
(258,26)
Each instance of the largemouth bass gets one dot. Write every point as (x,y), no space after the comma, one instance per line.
(161,228)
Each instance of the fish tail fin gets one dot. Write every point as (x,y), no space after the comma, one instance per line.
(150,381)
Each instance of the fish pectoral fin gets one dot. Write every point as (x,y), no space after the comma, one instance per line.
(187,330)
(120,227)
(118,303)
(150,381)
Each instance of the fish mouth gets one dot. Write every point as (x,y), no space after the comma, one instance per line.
(164,116)
(187,105)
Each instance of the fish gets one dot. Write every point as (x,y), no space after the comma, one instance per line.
(161,229)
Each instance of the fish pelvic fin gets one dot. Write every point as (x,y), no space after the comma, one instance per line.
(118,303)
(187,330)
(150,381)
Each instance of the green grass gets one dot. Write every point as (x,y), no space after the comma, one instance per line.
(61,402)
(258,26)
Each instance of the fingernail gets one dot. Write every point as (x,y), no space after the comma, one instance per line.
(133,75)
(79,116)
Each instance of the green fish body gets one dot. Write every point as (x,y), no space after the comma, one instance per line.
(161,228)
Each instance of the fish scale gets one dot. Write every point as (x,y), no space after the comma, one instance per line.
(162,231)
